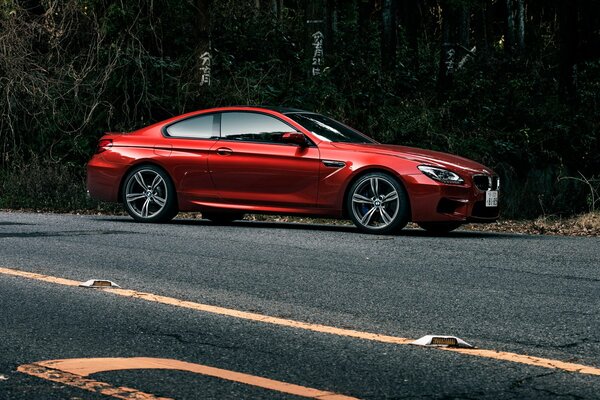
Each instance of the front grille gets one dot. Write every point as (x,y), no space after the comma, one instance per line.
(481,211)
(486,182)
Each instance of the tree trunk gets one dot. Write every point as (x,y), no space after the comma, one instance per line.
(411,19)
(483,29)
(388,34)
(464,26)
(330,25)
(510,27)
(315,13)
(365,10)
(463,48)
(589,24)
(203,48)
(279,10)
(535,13)
(447,64)
(521,25)
(569,43)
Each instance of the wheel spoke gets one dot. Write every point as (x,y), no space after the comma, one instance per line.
(367,217)
(145,208)
(390,196)
(159,200)
(374,186)
(359,198)
(135,196)
(157,181)
(140,180)
(387,219)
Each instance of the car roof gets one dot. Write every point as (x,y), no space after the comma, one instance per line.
(281,110)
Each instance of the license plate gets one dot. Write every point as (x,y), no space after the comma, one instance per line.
(491,198)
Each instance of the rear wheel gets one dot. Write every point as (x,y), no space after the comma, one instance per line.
(378,203)
(149,195)
(439,228)
(222,217)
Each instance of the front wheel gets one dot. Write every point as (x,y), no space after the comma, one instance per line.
(378,203)
(439,228)
(149,195)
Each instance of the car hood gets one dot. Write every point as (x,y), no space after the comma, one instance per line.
(429,157)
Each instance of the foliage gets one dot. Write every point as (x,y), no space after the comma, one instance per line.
(72,69)
(45,186)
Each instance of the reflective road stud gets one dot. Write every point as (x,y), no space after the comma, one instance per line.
(99,283)
(442,341)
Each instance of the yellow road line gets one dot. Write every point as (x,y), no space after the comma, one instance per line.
(528,360)
(74,372)
(218,310)
(38,277)
(91,385)
(492,354)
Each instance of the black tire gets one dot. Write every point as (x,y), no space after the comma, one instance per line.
(161,199)
(388,215)
(439,228)
(222,217)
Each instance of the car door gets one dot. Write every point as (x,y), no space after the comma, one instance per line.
(190,141)
(250,165)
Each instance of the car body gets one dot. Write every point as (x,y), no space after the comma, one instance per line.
(228,161)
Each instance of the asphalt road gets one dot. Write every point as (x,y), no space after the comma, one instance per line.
(530,295)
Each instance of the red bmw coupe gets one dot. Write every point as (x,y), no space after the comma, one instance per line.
(225,162)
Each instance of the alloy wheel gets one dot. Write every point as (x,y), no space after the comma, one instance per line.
(375,202)
(146,193)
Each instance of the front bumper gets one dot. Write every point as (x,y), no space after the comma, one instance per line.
(432,201)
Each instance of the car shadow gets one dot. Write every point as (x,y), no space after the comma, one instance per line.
(305,226)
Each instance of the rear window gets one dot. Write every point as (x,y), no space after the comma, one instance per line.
(200,127)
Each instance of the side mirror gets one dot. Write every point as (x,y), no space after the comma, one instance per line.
(294,138)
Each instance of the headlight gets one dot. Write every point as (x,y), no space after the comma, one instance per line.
(441,175)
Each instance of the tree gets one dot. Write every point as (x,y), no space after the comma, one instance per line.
(365,10)
(569,43)
(411,20)
(510,27)
(388,34)
(521,25)
(331,13)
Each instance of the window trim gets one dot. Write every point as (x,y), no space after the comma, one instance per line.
(216,128)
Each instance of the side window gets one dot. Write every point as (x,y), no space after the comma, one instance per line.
(252,127)
(200,127)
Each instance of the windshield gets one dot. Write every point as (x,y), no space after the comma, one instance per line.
(328,129)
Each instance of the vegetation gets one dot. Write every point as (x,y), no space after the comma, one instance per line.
(514,84)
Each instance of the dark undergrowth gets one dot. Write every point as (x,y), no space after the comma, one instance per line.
(45,186)
(54,187)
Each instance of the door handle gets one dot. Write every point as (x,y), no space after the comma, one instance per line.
(224,151)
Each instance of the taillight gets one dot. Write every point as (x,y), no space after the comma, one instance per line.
(103,145)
